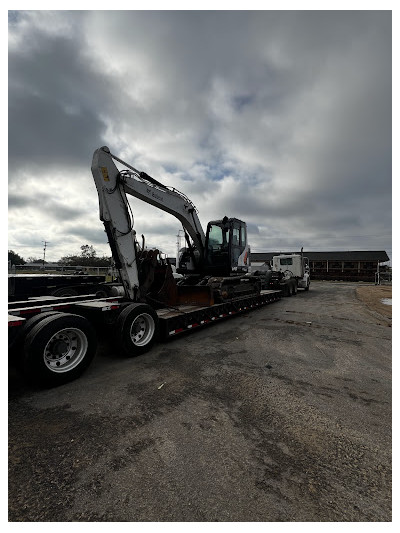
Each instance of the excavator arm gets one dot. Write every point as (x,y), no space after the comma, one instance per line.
(112,187)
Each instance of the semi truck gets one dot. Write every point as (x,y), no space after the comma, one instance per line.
(53,339)
(287,272)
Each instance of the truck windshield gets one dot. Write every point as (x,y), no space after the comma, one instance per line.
(286,261)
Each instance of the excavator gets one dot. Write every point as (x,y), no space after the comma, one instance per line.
(54,337)
(215,264)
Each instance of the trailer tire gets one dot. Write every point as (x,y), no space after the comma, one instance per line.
(101,294)
(137,329)
(58,349)
(18,347)
(64,291)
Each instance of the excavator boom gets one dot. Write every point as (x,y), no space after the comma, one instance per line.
(112,186)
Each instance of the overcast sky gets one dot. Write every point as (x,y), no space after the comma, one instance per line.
(281,119)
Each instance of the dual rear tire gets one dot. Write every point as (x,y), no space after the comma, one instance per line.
(56,348)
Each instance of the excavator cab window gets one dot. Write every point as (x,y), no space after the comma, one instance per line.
(243,239)
(238,242)
(218,237)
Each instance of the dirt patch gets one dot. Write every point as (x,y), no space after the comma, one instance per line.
(372,296)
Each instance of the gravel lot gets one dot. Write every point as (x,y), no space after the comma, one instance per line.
(283,414)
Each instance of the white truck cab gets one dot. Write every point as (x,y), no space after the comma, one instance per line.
(293,266)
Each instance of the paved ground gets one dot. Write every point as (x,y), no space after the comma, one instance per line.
(283,414)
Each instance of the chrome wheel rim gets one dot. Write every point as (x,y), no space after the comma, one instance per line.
(65,350)
(142,329)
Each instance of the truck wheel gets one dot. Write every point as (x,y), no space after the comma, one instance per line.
(58,349)
(288,289)
(18,347)
(137,329)
(288,274)
(101,294)
(64,291)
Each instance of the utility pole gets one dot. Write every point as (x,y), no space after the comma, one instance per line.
(44,251)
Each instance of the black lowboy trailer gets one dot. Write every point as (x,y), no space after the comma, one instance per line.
(52,340)
(24,286)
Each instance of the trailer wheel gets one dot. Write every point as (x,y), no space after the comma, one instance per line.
(18,347)
(64,291)
(137,329)
(58,349)
(101,294)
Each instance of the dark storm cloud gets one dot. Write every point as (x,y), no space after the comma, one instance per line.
(280,118)
(53,107)
(47,204)
(43,134)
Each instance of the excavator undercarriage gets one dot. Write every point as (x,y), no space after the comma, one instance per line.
(161,289)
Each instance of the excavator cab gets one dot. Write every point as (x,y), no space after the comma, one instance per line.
(226,249)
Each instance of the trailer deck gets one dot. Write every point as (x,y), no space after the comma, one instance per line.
(24,286)
(51,336)
(173,320)
(187,317)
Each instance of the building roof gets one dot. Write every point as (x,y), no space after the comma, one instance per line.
(367,255)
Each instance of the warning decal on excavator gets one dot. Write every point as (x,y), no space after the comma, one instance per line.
(105,173)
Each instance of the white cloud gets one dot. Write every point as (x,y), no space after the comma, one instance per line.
(282,119)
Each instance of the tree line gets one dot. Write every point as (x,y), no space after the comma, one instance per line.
(87,257)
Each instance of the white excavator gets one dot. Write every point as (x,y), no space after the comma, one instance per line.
(215,264)
(53,338)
